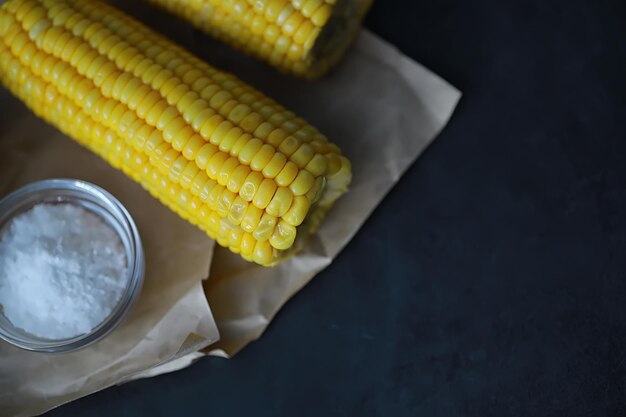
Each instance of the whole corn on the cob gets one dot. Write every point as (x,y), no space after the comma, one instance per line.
(251,174)
(302,37)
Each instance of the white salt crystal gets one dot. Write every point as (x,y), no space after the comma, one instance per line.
(62,271)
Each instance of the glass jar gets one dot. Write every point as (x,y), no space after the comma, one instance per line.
(101,203)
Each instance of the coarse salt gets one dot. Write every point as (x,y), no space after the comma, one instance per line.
(62,271)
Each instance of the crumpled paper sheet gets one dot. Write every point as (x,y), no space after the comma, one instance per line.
(380,107)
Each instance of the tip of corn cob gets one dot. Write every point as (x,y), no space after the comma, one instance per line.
(336,35)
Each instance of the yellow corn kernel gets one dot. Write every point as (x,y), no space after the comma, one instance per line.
(262,157)
(205,154)
(321,15)
(263,253)
(265,228)
(248,242)
(250,150)
(281,202)
(188,174)
(237,179)
(298,210)
(237,210)
(302,183)
(251,218)
(215,164)
(275,165)
(317,165)
(284,235)
(225,202)
(264,194)
(287,174)
(197,183)
(251,186)
(214,198)
(317,190)
(303,155)
(192,148)
(241,142)
(226,170)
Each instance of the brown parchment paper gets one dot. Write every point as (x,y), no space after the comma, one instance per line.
(380,107)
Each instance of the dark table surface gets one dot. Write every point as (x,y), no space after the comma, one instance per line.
(491,282)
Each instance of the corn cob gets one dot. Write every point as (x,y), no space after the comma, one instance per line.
(251,174)
(302,37)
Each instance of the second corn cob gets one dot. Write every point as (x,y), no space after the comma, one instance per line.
(302,37)
(251,174)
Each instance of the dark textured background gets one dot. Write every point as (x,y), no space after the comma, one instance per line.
(491,282)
